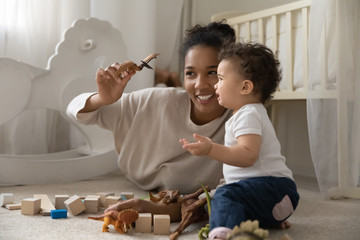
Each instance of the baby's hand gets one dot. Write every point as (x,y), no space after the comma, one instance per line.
(200,148)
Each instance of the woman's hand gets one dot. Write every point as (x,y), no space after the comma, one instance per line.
(200,148)
(111,87)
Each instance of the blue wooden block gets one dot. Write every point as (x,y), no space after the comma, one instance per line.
(59,213)
(123,197)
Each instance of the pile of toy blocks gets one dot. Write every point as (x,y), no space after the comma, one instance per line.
(90,204)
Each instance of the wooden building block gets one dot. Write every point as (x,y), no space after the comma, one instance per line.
(143,223)
(127,195)
(92,204)
(6,198)
(13,206)
(59,201)
(46,204)
(110,200)
(75,205)
(161,224)
(58,213)
(30,206)
(103,195)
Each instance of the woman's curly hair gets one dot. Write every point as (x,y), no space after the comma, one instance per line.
(215,34)
(257,63)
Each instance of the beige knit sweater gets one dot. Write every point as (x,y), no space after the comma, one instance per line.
(147,125)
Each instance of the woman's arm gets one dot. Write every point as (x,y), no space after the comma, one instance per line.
(110,87)
(243,154)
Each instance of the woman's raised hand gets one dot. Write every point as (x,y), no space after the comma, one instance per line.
(111,86)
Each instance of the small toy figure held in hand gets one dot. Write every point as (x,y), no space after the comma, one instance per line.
(130,66)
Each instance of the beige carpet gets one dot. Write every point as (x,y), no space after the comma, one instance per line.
(315,217)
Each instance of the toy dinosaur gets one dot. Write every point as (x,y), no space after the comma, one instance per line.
(191,207)
(248,230)
(166,196)
(132,67)
(121,220)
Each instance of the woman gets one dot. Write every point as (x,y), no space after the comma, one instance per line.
(148,123)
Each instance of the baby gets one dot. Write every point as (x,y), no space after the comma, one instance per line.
(259,185)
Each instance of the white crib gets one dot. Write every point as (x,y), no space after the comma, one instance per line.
(284,29)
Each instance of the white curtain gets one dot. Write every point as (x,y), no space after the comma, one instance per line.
(30,30)
(334,56)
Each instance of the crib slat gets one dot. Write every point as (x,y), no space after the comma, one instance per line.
(289,52)
(247,33)
(274,33)
(305,47)
(261,30)
(236,27)
(269,12)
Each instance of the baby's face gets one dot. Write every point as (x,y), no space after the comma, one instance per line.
(229,85)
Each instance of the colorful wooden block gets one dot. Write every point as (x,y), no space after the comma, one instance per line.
(30,206)
(103,195)
(58,213)
(143,223)
(161,224)
(127,195)
(110,200)
(75,205)
(13,206)
(92,204)
(59,201)
(6,198)
(46,204)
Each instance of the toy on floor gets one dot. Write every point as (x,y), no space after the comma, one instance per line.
(192,210)
(58,213)
(166,197)
(248,230)
(191,207)
(121,220)
(204,232)
(132,67)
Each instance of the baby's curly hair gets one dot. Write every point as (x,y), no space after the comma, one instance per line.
(257,63)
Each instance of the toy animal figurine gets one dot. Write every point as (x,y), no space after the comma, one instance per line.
(248,230)
(166,197)
(192,210)
(132,67)
(191,207)
(121,220)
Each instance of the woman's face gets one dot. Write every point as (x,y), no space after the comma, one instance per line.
(200,77)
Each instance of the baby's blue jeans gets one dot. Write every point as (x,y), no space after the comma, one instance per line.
(270,200)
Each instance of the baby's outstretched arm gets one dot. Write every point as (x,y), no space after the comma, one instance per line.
(243,154)
(200,148)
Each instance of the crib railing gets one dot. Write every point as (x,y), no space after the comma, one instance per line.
(279,28)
